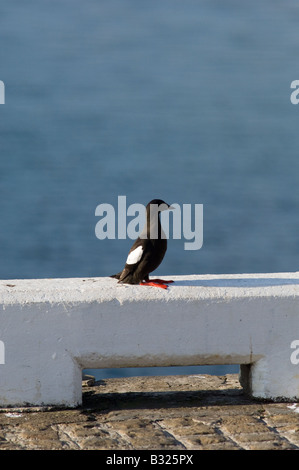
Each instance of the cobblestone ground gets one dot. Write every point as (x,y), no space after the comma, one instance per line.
(157,413)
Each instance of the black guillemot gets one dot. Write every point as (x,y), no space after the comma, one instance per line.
(147,251)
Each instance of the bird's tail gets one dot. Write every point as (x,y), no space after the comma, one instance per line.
(125,278)
(116,276)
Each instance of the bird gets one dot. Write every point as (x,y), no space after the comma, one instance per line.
(148,250)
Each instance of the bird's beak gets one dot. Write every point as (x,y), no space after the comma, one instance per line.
(170,208)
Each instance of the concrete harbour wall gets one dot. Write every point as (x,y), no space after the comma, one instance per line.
(51,329)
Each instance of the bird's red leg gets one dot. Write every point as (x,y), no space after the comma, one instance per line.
(153,284)
(156,283)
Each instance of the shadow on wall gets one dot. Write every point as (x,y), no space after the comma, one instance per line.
(242,282)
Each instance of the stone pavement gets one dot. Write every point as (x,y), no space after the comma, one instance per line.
(156,413)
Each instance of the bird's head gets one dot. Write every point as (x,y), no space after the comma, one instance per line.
(159,205)
(153,226)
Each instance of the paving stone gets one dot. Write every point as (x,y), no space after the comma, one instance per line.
(197,412)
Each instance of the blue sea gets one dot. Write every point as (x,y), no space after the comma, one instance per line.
(184,101)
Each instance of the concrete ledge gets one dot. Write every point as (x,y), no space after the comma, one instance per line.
(51,329)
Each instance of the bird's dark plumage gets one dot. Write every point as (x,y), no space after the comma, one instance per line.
(148,250)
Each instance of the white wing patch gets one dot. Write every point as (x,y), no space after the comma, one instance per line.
(135,255)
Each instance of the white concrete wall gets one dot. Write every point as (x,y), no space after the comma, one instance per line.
(50,329)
